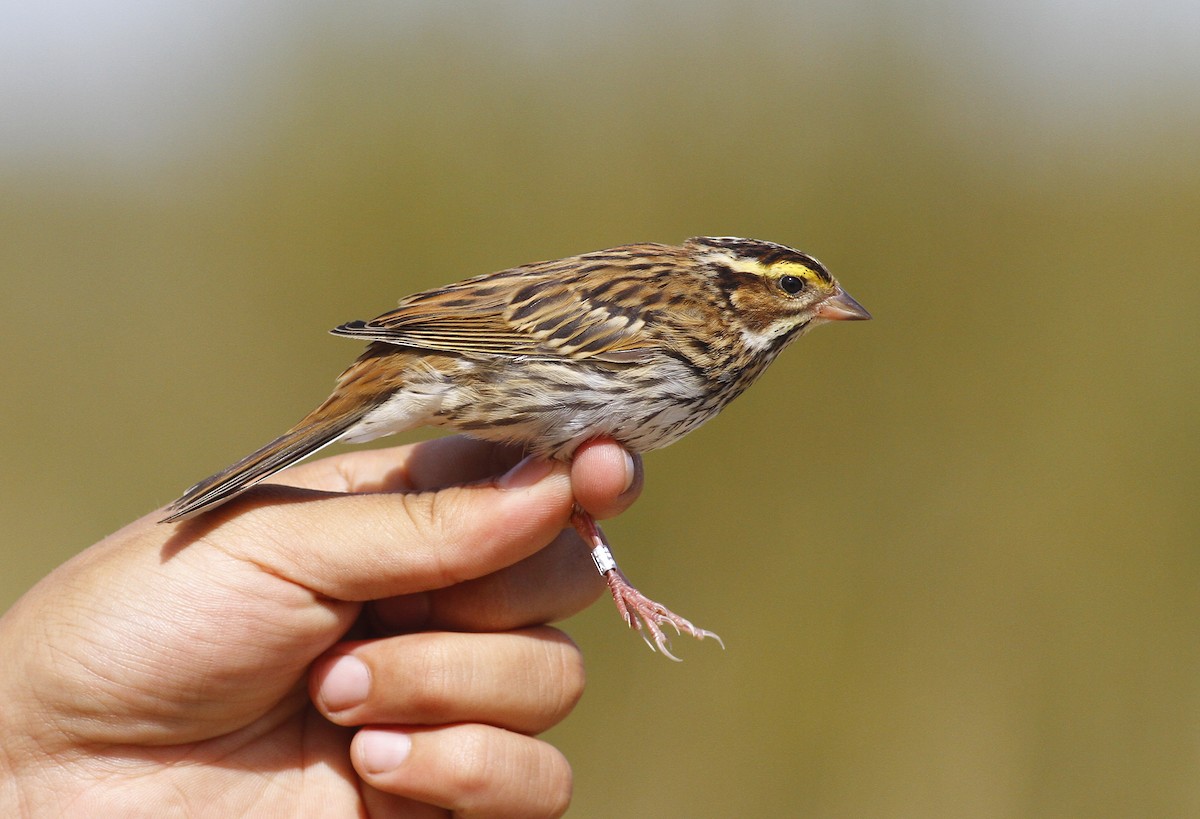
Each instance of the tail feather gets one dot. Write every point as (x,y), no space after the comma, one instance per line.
(297,443)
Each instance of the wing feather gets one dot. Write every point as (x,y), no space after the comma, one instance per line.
(585,307)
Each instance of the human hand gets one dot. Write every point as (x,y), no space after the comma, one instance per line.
(225,664)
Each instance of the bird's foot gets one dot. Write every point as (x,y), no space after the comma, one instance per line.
(647,616)
(638,610)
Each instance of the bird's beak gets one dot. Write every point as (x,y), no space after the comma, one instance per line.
(843,308)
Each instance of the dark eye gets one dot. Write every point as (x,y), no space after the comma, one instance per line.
(791,284)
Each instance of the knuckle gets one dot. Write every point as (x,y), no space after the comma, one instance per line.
(435,690)
(535,774)
(574,679)
(564,660)
(421,515)
(476,765)
(427,516)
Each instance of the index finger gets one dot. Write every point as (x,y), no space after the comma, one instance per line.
(426,466)
(366,546)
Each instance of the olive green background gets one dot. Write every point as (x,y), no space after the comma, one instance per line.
(952,551)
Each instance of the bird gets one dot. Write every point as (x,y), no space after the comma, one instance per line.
(641,343)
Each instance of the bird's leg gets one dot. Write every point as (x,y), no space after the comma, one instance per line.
(639,611)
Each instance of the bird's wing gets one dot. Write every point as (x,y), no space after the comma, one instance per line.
(555,311)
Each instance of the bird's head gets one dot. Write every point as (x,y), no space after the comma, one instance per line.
(777,293)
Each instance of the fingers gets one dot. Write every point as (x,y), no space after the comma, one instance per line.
(471,770)
(466,703)
(360,547)
(605,477)
(423,467)
(524,681)
(384,544)
(552,584)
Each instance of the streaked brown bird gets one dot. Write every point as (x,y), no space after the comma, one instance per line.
(642,343)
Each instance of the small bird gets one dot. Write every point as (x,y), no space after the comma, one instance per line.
(642,343)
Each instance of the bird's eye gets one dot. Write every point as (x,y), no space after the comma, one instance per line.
(791,284)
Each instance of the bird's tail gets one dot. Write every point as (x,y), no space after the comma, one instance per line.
(314,432)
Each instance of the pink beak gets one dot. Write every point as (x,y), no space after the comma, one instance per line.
(843,308)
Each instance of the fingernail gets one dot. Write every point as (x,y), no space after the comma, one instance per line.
(382,751)
(630,470)
(346,683)
(528,472)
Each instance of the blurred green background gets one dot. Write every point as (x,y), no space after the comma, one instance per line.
(952,552)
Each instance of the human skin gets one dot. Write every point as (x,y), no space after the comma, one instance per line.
(367,640)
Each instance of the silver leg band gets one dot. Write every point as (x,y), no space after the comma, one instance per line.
(603,559)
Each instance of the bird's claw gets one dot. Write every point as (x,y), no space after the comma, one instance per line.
(647,616)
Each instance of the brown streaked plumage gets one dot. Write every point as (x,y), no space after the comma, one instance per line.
(642,343)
